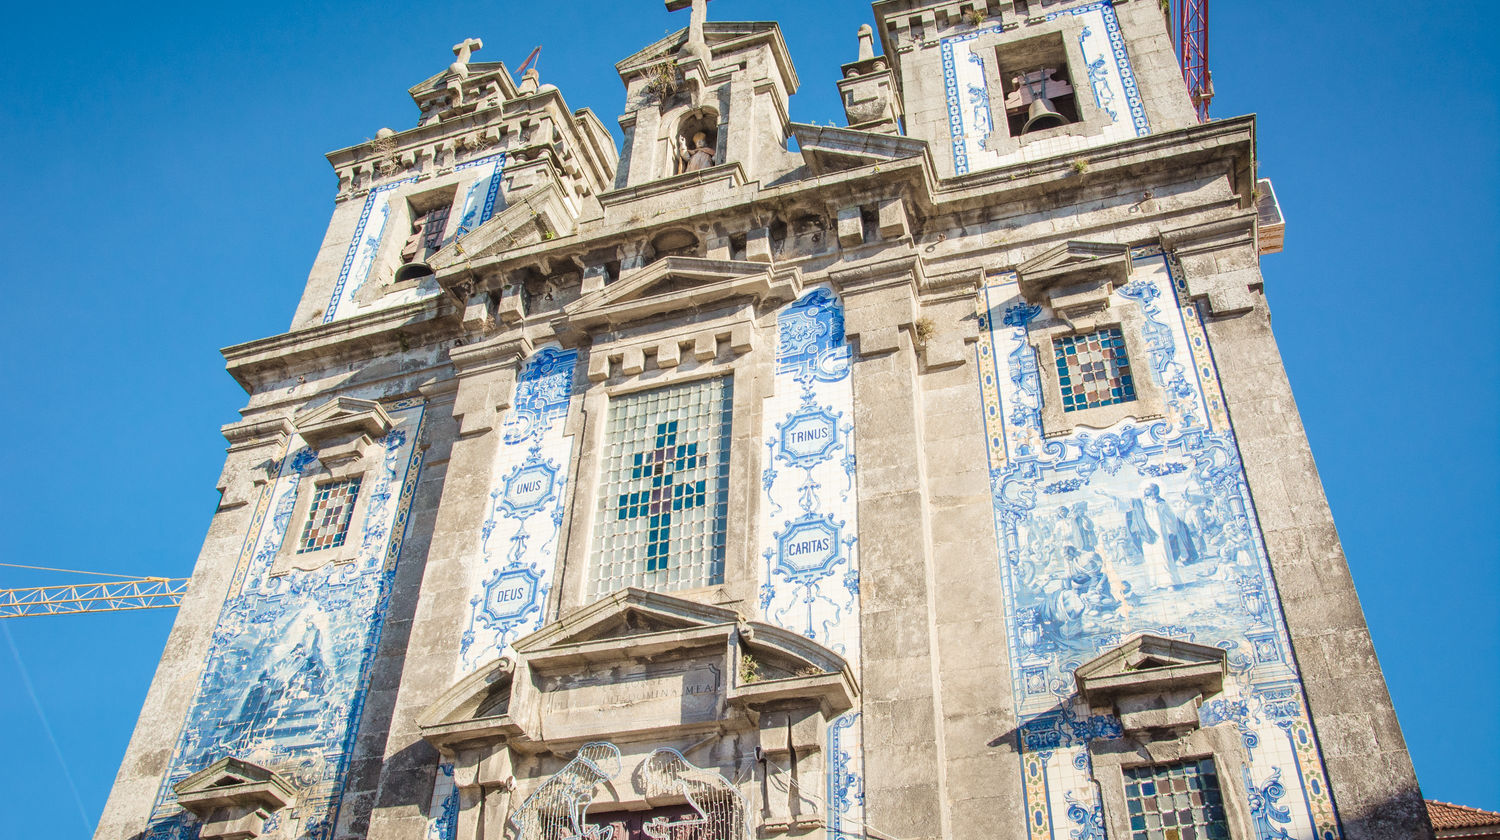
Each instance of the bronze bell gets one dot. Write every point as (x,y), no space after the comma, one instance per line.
(1042,115)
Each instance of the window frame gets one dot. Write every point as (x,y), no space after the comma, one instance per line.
(1149,402)
(720,342)
(601,497)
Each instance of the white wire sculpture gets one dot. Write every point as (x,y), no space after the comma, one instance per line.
(720,811)
(555,811)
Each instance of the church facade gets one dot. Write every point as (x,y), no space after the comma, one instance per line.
(933,476)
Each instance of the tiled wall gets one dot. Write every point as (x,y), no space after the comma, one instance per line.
(287,669)
(808,528)
(479,187)
(517,547)
(1144,527)
(1108,79)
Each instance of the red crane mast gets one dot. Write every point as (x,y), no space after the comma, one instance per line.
(1188,20)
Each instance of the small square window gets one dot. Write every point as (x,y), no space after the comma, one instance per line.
(1160,808)
(328,516)
(1093,370)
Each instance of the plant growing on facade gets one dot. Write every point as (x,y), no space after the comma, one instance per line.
(749,669)
(1079,165)
(923,329)
(662,81)
(976,17)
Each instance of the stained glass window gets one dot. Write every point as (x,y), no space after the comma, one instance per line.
(1179,801)
(663,503)
(1093,370)
(328,516)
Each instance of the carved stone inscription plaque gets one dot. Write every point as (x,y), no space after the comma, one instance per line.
(632,697)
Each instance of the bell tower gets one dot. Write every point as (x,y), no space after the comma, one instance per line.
(709,96)
(997,82)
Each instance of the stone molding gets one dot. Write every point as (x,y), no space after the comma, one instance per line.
(1154,686)
(487,379)
(233,798)
(260,364)
(242,475)
(1219,261)
(635,627)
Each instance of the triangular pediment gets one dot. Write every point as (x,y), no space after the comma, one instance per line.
(1075,263)
(233,781)
(833,149)
(715,32)
(1147,663)
(629,612)
(673,284)
(341,417)
(476,70)
(537,215)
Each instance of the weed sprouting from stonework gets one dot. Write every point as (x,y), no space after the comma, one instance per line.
(924,329)
(749,669)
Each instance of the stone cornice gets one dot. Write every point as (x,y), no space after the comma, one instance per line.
(731,172)
(254,364)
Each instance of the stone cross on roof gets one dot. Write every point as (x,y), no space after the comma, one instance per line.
(467,48)
(695,44)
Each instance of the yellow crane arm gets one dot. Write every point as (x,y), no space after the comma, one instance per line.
(141,594)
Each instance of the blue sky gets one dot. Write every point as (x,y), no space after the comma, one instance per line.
(172,195)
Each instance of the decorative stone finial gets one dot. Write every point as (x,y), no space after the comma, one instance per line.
(468,47)
(866,42)
(530,82)
(384,133)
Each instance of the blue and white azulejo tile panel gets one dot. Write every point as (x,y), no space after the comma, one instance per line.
(289,663)
(1144,527)
(1110,83)
(379,219)
(808,530)
(518,545)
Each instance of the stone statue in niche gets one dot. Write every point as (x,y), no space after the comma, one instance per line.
(698,155)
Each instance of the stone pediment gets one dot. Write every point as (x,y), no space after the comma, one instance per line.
(1152,665)
(715,32)
(342,417)
(341,430)
(632,666)
(1075,275)
(233,797)
(537,215)
(475,70)
(832,149)
(673,284)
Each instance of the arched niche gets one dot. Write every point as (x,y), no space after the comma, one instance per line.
(694,141)
(674,242)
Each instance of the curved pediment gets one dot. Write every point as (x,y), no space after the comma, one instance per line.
(672,284)
(637,661)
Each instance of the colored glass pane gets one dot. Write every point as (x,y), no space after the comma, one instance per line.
(328,516)
(1093,370)
(663,505)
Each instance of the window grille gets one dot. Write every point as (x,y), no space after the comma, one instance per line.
(1093,370)
(663,503)
(1179,801)
(328,516)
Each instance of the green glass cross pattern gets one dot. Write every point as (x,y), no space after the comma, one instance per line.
(663,495)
